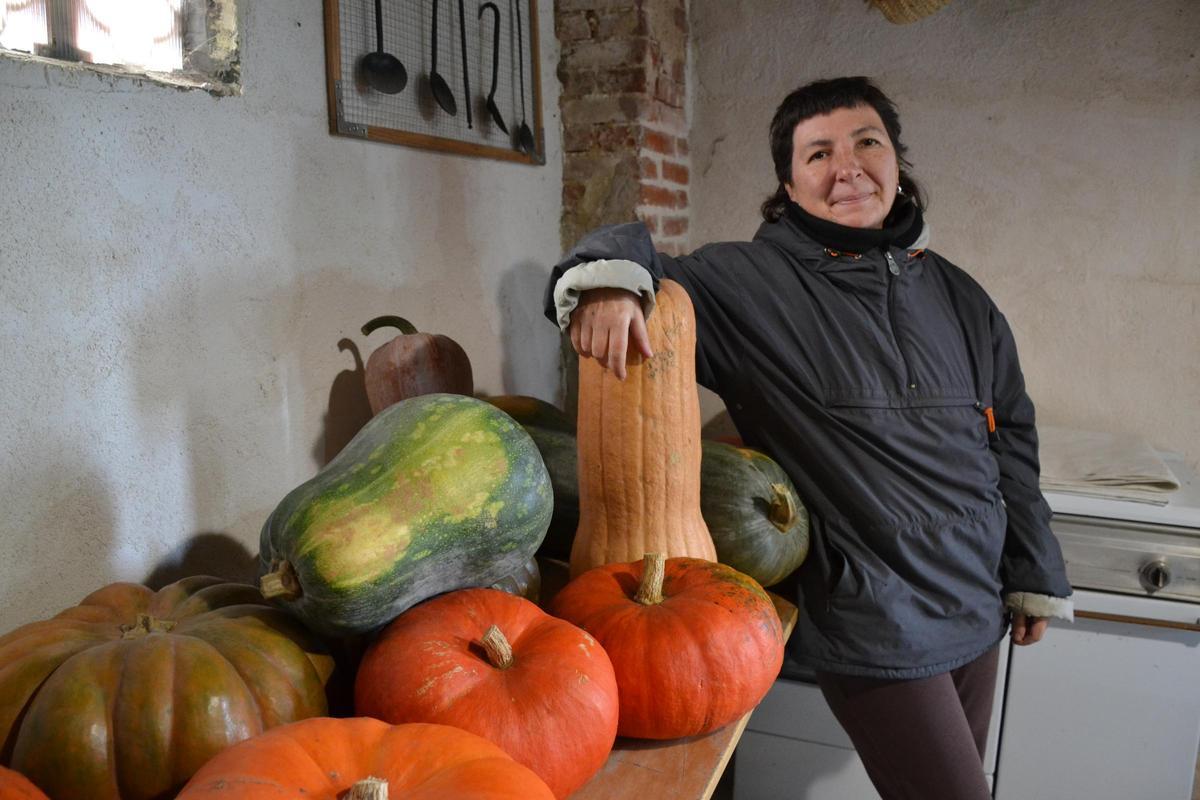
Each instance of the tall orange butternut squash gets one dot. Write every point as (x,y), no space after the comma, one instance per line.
(639,448)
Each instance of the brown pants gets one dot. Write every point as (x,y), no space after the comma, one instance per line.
(920,739)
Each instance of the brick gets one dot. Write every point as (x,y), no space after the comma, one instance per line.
(675,173)
(647,168)
(666,117)
(681,145)
(626,80)
(679,71)
(572,194)
(576,83)
(572,27)
(669,92)
(659,143)
(649,220)
(595,54)
(622,23)
(563,6)
(617,137)
(583,167)
(674,226)
(600,109)
(577,137)
(661,197)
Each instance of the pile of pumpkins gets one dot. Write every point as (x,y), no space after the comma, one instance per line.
(209,689)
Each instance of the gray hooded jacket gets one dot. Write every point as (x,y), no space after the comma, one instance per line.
(869,378)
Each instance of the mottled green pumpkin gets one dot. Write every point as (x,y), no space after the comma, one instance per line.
(437,492)
(757,522)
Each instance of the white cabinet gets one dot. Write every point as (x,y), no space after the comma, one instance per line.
(1104,710)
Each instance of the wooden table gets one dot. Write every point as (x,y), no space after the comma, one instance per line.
(676,769)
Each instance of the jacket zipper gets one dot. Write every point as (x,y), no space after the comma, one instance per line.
(894,270)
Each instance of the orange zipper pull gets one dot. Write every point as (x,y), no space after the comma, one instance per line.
(991,418)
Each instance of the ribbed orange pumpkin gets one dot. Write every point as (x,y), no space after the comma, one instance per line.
(639,448)
(497,665)
(695,644)
(331,759)
(127,694)
(15,786)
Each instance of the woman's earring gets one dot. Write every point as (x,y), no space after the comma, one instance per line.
(899,189)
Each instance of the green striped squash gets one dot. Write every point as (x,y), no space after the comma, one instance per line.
(437,492)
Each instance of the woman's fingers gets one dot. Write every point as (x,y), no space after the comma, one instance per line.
(1027,630)
(605,323)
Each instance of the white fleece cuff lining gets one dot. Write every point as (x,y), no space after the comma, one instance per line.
(604,274)
(1041,605)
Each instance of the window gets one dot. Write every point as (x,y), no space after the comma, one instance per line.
(178,42)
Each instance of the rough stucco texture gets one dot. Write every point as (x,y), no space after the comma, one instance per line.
(1060,144)
(176,272)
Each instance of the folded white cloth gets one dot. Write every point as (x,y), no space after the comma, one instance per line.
(1114,465)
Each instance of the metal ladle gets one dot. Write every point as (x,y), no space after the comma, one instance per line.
(383,71)
(492,108)
(462,40)
(525,141)
(437,84)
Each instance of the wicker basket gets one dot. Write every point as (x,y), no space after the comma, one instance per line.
(902,12)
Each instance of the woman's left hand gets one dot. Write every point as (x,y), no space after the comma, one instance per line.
(1027,630)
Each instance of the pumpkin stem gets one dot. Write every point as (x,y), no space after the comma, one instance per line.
(369,789)
(499,651)
(281,583)
(406,327)
(649,593)
(783,509)
(145,625)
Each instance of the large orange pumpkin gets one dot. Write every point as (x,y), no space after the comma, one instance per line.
(324,759)
(695,644)
(15,786)
(497,665)
(639,448)
(130,692)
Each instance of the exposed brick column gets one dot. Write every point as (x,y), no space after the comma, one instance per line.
(622,69)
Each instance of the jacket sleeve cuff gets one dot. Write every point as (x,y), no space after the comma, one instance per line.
(602,274)
(1041,605)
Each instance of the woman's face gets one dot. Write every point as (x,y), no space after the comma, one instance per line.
(844,167)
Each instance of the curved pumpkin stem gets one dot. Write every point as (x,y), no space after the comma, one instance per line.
(649,593)
(783,509)
(499,651)
(369,789)
(406,327)
(144,626)
(281,583)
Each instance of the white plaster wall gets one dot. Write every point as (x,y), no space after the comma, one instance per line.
(1060,144)
(176,271)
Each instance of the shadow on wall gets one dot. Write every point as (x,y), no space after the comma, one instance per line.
(212,553)
(529,340)
(348,410)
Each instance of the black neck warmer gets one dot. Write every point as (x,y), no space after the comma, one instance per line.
(901,228)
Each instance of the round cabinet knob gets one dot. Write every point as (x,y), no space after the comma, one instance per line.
(1155,575)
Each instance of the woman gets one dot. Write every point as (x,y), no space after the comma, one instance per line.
(886,383)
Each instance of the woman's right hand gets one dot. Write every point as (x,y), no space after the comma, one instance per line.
(605,323)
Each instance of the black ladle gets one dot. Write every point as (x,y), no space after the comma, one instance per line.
(524,136)
(492,108)
(383,71)
(437,84)
(462,41)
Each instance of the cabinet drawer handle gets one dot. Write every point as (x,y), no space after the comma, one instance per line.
(1153,623)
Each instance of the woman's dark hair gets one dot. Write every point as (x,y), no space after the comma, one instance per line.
(824,97)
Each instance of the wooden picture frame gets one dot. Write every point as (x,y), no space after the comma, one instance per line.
(412,117)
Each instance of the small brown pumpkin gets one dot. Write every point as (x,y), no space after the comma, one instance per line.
(413,364)
(639,448)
